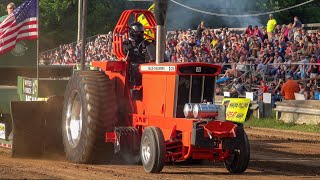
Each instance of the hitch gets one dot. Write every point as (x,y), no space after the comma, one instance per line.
(125,139)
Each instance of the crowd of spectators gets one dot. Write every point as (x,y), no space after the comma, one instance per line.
(97,48)
(275,52)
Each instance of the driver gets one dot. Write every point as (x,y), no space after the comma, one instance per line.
(136,46)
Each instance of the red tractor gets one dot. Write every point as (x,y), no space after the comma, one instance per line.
(174,119)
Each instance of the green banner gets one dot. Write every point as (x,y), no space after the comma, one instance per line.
(24,54)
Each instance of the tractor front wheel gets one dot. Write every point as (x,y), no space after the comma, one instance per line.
(152,150)
(240,152)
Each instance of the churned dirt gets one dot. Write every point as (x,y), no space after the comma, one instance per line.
(275,154)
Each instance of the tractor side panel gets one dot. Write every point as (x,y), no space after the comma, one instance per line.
(170,96)
(154,94)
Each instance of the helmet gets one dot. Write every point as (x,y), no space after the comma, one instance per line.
(136,31)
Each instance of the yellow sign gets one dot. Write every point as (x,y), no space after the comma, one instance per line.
(237,109)
(2,131)
(144,22)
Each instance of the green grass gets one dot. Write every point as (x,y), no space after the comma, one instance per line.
(278,124)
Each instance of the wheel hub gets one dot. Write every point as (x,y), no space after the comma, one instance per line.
(74,119)
(146,150)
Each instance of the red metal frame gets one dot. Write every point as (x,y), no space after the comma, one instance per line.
(122,29)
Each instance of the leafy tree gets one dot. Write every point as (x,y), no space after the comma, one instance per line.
(58,22)
(58,18)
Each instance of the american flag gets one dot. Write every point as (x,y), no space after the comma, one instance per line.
(22,24)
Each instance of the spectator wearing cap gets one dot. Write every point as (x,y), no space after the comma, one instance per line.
(271,25)
(289,88)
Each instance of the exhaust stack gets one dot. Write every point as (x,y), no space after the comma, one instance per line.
(161,7)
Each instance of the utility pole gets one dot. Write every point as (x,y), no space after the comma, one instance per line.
(83,34)
(79,19)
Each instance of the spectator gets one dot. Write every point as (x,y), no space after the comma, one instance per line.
(296,23)
(237,88)
(200,29)
(263,88)
(289,88)
(275,58)
(257,32)
(307,93)
(10,8)
(275,94)
(302,88)
(271,25)
(249,31)
(313,70)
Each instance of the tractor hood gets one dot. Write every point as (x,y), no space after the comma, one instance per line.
(181,68)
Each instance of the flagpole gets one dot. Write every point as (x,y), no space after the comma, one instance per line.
(83,34)
(37,48)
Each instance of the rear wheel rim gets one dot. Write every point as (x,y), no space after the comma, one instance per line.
(74,119)
(146,150)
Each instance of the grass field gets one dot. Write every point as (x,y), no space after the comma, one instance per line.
(278,124)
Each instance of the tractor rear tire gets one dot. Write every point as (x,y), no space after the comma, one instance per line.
(152,150)
(239,160)
(89,112)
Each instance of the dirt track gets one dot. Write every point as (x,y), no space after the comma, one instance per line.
(274,155)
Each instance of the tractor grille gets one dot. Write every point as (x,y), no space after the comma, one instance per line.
(194,89)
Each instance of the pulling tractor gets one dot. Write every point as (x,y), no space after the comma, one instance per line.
(170,117)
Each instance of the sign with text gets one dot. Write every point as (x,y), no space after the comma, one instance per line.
(2,131)
(237,109)
(29,87)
